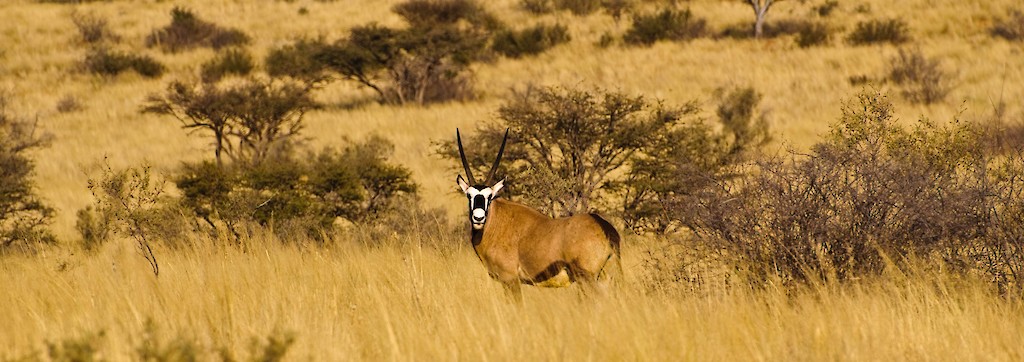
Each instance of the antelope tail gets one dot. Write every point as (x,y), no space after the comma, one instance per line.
(614,240)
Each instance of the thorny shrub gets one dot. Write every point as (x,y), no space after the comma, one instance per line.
(873,194)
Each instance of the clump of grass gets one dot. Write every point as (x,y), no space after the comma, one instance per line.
(104,61)
(530,41)
(923,78)
(187,31)
(667,24)
(1011,28)
(893,31)
(236,61)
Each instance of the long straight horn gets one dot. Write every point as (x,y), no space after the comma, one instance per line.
(494,168)
(465,164)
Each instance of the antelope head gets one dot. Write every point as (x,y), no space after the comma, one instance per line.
(480,195)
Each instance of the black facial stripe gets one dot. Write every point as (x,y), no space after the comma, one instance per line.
(479,202)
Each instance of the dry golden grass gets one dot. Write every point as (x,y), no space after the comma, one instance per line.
(348,302)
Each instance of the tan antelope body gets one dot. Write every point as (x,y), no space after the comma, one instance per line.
(519,245)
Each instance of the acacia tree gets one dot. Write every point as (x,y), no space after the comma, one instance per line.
(566,146)
(249,122)
(426,62)
(572,150)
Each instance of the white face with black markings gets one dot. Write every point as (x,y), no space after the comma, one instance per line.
(480,197)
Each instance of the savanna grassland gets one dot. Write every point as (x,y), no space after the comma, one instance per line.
(380,295)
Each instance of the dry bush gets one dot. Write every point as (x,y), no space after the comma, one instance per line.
(126,202)
(1011,28)
(23,215)
(530,41)
(923,79)
(234,61)
(187,31)
(92,28)
(667,24)
(107,62)
(871,195)
(893,31)
(814,34)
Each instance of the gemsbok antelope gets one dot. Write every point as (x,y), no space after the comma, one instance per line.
(519,245)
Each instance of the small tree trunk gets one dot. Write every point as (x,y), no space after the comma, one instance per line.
(760,11)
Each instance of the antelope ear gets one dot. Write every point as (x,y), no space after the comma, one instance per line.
(497,187)
(462,183)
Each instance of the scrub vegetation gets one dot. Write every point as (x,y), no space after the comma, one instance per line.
(225,180)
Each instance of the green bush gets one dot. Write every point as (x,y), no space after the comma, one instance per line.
(23,215)
(667,24)
(236,61)
(187,31)
(298,196)
(893,31)
(108,62)
(530,41)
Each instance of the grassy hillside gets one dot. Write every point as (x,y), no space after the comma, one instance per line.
(404,302)
(803,87)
